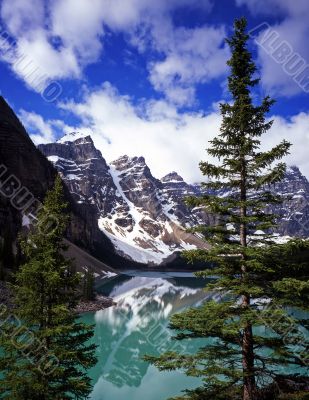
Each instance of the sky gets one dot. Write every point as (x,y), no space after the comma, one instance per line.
(146,77)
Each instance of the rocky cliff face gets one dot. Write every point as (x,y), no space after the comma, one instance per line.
(294,211)
(21,164)
(85,172)
(144,216)
(134,209)
(120,212)
(30,171)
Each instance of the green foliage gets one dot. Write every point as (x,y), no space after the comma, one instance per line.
(45,353)
(2,270)
(256,330)
(7,258)
(88,285)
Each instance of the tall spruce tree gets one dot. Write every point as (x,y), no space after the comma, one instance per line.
(252,337)
(45,352)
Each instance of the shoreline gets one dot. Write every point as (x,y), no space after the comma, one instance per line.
(83,306)
(100,303)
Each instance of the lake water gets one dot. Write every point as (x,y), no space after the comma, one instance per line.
(138,325)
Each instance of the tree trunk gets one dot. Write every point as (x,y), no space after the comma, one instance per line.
(247,339)
(248,359)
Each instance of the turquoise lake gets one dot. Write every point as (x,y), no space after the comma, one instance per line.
(138,325)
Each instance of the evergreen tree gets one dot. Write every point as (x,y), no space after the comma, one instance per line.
(2,270)
(7,254)
(252,336)
(88,286)
(45,352)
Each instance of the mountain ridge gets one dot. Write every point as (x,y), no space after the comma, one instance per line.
(145,217)
(22,161)
(127,197)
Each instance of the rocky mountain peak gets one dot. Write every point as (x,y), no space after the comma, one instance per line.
(125,163)
(293,169)
(73,136)
(293,184)
(84,170)
(144,216)
(137,183)
(81,150)
(293,173)
(36,175)
(172,177)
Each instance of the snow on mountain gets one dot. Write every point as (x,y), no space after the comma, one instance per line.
(294,211)
(72,136)
(140,214)
(145,217)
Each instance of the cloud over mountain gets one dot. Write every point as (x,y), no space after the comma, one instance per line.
(155,129)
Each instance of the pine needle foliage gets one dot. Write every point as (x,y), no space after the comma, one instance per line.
(45,351)
(257,331)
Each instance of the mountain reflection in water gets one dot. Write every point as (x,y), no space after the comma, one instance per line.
(138,325)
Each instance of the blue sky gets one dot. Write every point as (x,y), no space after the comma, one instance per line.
(145,77)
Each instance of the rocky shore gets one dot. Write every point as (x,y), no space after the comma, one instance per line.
(100,303)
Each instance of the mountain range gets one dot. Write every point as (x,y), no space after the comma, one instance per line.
(119,212)
(145,217)
(22,161)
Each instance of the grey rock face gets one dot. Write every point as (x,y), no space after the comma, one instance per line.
(24,161)
(85,172)
(137,210)
(294,211)
(137,184)
(142,212)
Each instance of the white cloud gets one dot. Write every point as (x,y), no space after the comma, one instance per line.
(79,24)
(275,7)
(59,38)
(191,56)
(125,15)
(168,140)
(43,131)
(184,56)
(55,39)
(293,30)
(296,131)
(19,15)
